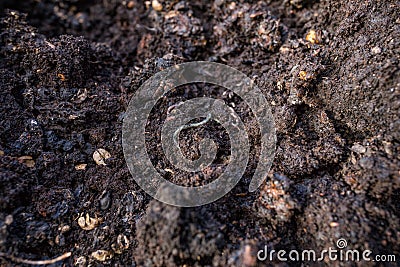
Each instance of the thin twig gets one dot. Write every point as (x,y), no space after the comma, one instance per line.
(32,262)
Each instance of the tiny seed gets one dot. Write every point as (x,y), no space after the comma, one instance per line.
(130,4)
(102,255)
(80,166)
(100,155)
(156,5)
(87,223)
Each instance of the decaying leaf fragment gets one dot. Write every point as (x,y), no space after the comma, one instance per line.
(27,160)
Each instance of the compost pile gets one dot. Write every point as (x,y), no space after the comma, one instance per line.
(68,68)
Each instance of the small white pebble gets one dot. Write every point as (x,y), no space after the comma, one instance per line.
(9,219)
(376,50)
(359,149)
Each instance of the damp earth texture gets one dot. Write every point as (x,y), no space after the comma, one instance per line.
(68,68)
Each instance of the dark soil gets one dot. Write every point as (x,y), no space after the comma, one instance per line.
(68,68)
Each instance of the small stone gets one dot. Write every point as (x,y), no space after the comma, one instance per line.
(100,155)
(9,219)
(156,5)
(376,50)
(105,201)
(359,149)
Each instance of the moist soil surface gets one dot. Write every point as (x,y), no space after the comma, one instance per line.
(68,69)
